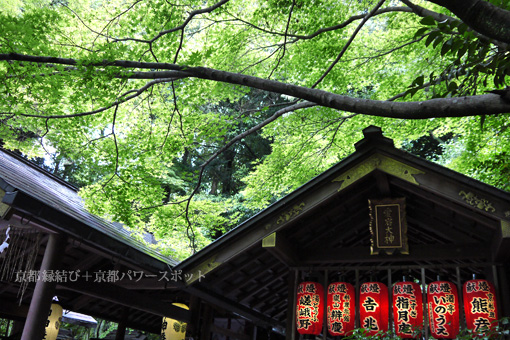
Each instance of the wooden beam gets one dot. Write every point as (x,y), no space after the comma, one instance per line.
(468,268)
(104,254)
(440,229)
(454,202)
(225,303)
(87,262)
(261,286)
(501,243)
(440,216)
(420,252)
(127,298)
(257,280)
(148,284)
(280,248)
(478,197)
(233,270)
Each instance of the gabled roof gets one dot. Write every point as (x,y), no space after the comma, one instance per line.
(136,293)
(453,222)
(56,202)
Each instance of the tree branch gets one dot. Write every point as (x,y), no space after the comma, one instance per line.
(481,16)
(284,38)
(325,29)
(114,104)
(181,27)
(348,43)
(487,104)
(424,12)
(439,17)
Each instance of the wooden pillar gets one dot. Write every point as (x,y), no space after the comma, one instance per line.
(325,303)
(44,291)
(121,331)
(192,329)
(290,325)
(505,297)
(425,305)
(462,320)
(390,298)
(207,323)
(357,321)
(121,326)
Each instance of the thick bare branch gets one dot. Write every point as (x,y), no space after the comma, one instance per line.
(439,17)
(481,16)
(441,107)
(424,12)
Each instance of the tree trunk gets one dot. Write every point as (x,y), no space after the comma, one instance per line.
(481,16)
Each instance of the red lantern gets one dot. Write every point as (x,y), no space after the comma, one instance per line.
(480,305)
(341,308)
(443,301)
(374,307)
(309,311)
(407,309)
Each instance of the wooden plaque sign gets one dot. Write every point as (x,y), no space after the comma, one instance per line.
(388,226)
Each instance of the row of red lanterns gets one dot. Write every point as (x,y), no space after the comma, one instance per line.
(442,299)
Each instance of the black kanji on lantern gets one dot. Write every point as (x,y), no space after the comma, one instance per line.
(369,304)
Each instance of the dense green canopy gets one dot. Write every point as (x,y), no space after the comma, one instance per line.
(184,117)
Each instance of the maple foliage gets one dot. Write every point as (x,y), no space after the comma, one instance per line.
(185,117)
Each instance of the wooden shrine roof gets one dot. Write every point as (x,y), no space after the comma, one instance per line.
(455,223)
(26,182)
(39,201)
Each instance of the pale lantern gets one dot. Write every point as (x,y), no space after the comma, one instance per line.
(172,329)
(53,323)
